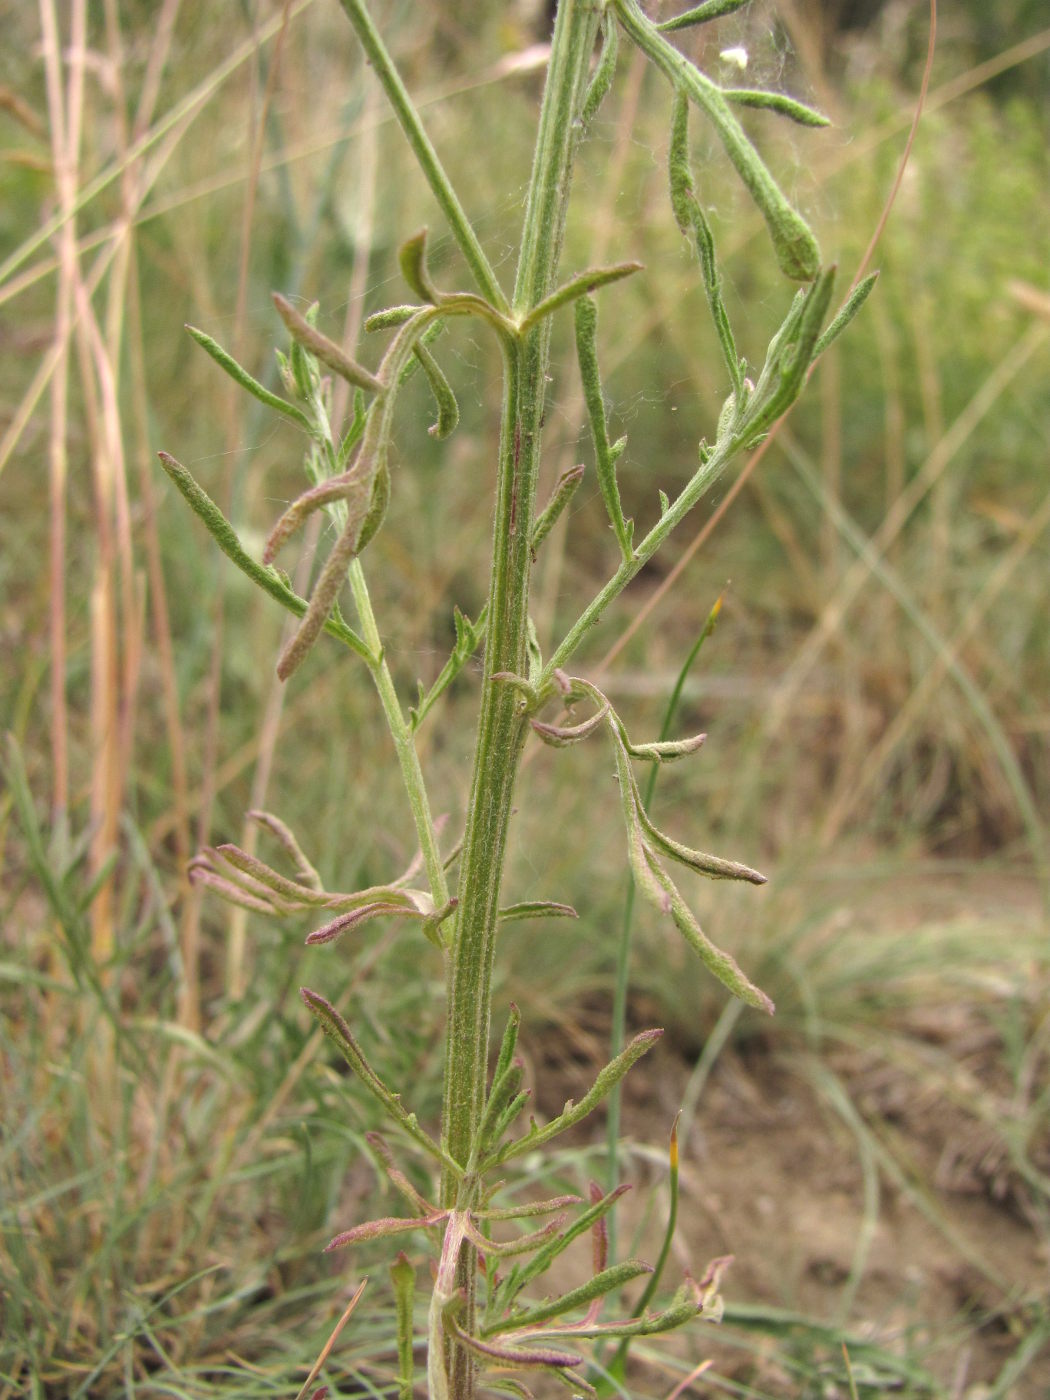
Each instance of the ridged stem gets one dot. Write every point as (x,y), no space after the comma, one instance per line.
(501,727)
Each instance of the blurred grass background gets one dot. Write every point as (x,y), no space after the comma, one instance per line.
(176,1148)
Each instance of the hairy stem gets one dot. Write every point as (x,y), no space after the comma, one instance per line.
(501,727)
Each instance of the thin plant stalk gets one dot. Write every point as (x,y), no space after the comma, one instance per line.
(502,726)
(618,1029)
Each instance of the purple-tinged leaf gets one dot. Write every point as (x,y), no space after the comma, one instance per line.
(377,1229)
(560,736)
(284,835)
(323,349)
(201,874)
(325,493)
(523,1358)
(340,925)
(599,1232)
(396,1176)
(265,875)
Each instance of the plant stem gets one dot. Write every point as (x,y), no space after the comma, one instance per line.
(425,154)
(404,741)
(501,726)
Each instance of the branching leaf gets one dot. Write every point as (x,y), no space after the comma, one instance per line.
(574,1113)
(796,248)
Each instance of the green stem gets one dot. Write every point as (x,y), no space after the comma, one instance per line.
(429,161)
(501,726)
(404,742)
(644,551)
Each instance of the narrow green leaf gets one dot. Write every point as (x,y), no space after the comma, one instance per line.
(581,285)
(701,14)
(412,256)
(776,102)
(466,644)
(605,461)
(716,959)
(241,376)
(447,407)
(617,1276)
(536,909)
(506,1086)
(564,490)
(224,535)
(842,319)
(604,72)
(523,1274)
(340,1034)
(528,1208)
(391,317)
(251,865)
(690,218)
(508,1044)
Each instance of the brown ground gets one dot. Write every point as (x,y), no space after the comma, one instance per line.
(955,1269)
